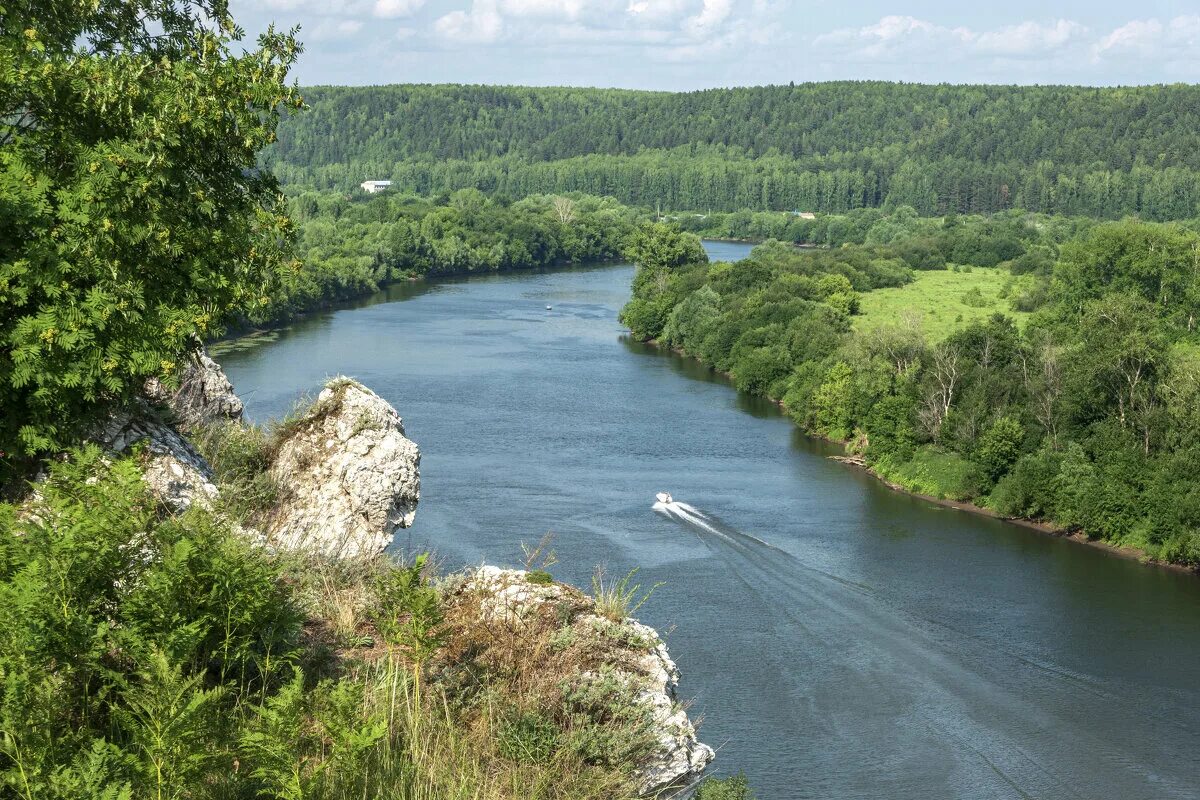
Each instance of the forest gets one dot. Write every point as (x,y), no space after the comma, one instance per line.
(832,147)
(348,246)
(1082,416)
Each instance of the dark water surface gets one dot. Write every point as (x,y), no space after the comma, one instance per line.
(839,640)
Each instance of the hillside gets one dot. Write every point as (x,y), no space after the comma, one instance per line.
(822,147)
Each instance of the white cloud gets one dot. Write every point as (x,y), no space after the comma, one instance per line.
(712,14)
(1175,42)
(895,38)
(674,30)
(333,29)
(396,8)
(656,9)
(1137,35)
(562,9)
(480,25)
(1030,38)
(904,38)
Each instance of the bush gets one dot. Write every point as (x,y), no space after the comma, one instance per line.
(937,474)
(974,298)
(125,640)
(1029,489)
(735,788)
(1000,446)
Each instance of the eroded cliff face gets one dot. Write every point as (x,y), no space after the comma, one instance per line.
(204,395)
(349,478)
(174,471)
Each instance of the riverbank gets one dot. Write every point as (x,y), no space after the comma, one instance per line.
(1048,528)
(1045,527)
(247,330)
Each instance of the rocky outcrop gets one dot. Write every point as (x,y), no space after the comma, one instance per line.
(349,477)
(630,650)
(204,394)
(172,469)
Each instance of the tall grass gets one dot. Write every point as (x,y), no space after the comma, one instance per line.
(621,597)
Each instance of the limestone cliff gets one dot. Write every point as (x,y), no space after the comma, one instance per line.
(348,475)
(204,394)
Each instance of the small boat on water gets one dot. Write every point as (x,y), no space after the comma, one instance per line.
(549,308)
(664,497)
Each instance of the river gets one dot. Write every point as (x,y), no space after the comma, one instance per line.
(838,640)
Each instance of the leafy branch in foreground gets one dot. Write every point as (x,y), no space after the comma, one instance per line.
(133,217)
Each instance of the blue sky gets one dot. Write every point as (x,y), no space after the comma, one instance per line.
(692,44)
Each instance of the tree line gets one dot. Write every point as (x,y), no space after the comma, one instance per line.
(817,147)
(349,246)
(1084,417)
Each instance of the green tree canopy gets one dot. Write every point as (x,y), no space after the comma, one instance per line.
(133,216)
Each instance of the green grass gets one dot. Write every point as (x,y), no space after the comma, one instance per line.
(937,300)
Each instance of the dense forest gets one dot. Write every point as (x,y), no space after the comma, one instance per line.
(349,246)
(817,147)
(1084,417)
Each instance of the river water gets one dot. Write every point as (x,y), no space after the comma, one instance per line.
(837,639)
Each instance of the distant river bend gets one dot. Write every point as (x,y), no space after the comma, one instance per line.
(839,640)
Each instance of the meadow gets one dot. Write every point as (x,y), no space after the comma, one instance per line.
(944,301)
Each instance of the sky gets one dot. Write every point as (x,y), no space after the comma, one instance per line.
(696,44)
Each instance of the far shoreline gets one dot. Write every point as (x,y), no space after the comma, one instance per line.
(855,462)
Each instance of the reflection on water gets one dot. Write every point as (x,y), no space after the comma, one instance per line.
(840,640)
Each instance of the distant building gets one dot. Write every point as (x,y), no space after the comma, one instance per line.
(804,214)
(371,187)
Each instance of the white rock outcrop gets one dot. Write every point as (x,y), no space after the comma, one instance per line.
(174,472)
(680,757)
(204,394)
(349,477)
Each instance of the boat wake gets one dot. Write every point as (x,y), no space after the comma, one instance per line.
(691,516)
(940,689)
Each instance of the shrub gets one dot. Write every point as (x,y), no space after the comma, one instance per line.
(936,473)
(1029,489)
(539,576)
(974,298)
(125,640)
(528,737)
(734,788)
(408,610)
(1000,446)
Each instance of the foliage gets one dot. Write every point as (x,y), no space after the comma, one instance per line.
(821,147)
(935,473)
(408,612)
(167,658)
(129,639)
(132,215)
(619,598)
(1080,414)
(350,246)
(734,788)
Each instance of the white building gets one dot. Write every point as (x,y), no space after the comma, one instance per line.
(371,187)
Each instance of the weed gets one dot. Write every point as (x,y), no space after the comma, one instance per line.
(619,599)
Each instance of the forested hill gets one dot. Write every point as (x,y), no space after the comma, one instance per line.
(820,147)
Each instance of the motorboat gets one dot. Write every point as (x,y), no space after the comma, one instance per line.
(664,498)
(549,308)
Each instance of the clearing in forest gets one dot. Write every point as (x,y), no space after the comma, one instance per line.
(944,300)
